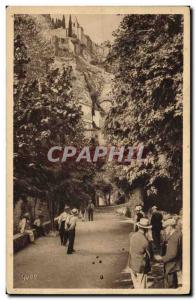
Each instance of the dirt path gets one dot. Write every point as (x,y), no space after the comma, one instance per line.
(48,265)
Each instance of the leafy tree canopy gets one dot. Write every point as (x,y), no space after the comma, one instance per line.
(147,56)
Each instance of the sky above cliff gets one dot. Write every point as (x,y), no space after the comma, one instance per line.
(98,27)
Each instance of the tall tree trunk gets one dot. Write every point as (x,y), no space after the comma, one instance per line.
(51,210)
(109,198)
(35,203)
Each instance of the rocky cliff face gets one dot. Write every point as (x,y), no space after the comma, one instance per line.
(91,82)
(92,86)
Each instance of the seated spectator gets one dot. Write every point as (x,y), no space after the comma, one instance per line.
(25,227)
(38,225)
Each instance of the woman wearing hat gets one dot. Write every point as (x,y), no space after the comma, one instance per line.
(72,230)
(139,254)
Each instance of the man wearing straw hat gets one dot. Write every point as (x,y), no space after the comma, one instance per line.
(71,224)
(61,222)
(139,255)
(173,258)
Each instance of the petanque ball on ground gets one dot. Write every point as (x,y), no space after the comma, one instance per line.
(93,262)
(100,261)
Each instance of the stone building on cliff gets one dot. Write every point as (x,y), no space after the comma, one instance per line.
(71,37)
(77,48)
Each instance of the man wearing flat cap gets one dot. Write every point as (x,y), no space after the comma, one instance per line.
(139,254)
(173,258)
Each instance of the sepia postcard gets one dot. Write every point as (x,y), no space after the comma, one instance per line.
(98,150)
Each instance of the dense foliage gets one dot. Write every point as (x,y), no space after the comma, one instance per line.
(147,56)
(45,114)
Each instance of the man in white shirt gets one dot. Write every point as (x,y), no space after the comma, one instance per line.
(62,223)
(71,230)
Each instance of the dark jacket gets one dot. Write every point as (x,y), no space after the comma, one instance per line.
(139,216)
(156,221)
(139,258)
(173,257)
(90,206)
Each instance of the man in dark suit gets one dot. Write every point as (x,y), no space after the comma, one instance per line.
(173,258)
(90,209)
(156,222)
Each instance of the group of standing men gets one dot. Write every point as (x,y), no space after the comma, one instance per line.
(67,224)
(157,238)
(67,227)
